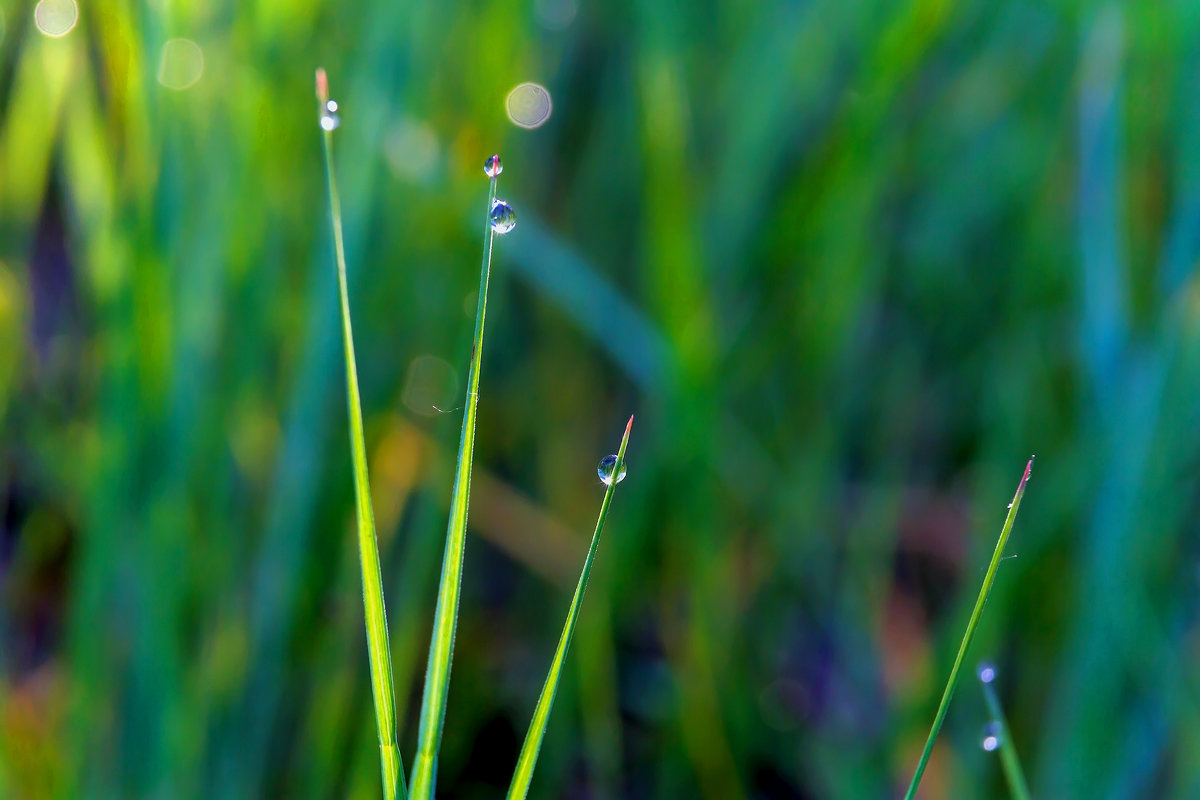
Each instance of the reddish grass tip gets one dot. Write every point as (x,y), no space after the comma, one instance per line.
(322,85)
(629,424)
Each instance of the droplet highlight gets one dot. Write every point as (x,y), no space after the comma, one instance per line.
(987,673)
(605,470)
(330,119)
(492,167)
(991,737)
(504,219)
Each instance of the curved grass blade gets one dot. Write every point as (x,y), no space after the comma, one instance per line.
(378,648)
(972,624)
(523,774)
(1013,774)
(441,645)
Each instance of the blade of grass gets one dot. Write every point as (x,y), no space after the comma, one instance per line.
(445,617)
(988,579)
(1008,751)
(523,774)
(378,648)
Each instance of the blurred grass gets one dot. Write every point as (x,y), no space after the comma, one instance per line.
(848,263)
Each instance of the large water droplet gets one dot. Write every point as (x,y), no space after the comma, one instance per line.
(987,673)
(504,219)
(991,736)
(493,167)
(329,116)
(605,470)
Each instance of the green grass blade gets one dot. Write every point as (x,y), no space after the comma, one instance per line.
(972,624)
(445,618)
(378,649)
(541,714)
(1013,773)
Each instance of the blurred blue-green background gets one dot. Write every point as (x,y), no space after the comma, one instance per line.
(850,264)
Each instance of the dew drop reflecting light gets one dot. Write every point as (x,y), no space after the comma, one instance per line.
(56,18)
(528,105)
(181,65)
(330,119)
(991,737)
(987,673)
(606,467)
(492,167)
(504,219)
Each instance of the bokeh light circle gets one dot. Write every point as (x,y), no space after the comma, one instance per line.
(181,65)
(431,386)
(55,18)
(528,105)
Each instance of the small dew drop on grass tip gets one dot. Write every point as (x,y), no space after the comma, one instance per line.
(991,737)
(329,116)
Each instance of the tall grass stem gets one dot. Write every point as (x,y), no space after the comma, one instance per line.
(1009,761)
(378,648)
(441,645)
(988,579)
(523,774)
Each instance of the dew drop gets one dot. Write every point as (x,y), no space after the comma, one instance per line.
(504,219)
(605,470)
(991,737)
(329,116)
(493,167)
(987,673)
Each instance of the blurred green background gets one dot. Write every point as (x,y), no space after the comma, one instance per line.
(848,263)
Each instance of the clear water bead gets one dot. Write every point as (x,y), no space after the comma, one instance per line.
(504,219)
(329,116)
(493,167)
(987,673)
(991,737)
(605,470)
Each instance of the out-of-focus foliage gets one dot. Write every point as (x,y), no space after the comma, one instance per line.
(849,263)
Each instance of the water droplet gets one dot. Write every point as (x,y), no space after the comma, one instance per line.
(991,736)
(493,167)
(329,116)
(605,470)
(987,673)
(504,219)
(1009,505)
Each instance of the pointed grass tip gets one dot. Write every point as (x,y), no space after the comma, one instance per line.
(322,85)
(1028,470)
(629,425)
